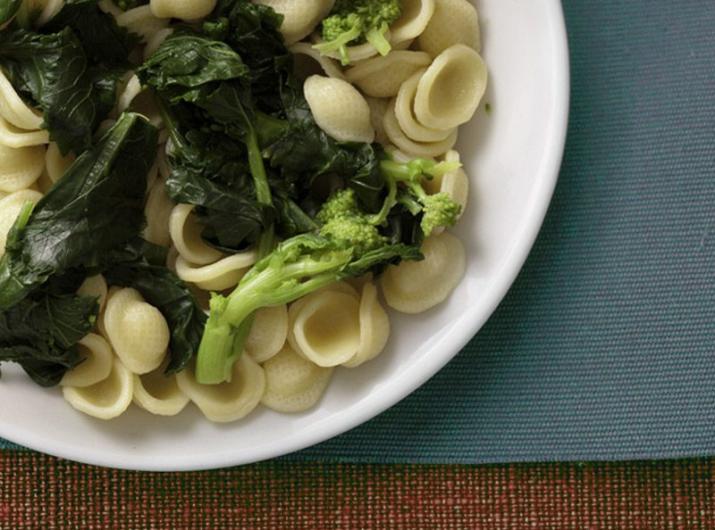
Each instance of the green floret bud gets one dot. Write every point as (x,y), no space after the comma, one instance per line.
(438,210)
(342,203)
(355,232)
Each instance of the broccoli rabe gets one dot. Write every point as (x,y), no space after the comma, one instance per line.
(343,222)
(356,21)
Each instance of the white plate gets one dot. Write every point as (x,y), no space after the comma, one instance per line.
(512,156)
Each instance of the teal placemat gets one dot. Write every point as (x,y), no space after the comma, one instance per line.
(605,347)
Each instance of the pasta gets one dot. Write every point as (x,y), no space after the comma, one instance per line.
(404,105)
(95,286)
(453,22)
(300,17)
(381,77)
(158,212)
(268,333)
(104,400)
(416,14)
(156,40)
(97,364)
(159,393)
(397,136)
(182,9)
(305,58)
(137,331)
(374,327)
(50,9)
(378,109)
(142,21)
(339,109)
(293,384)
(10,207)
(20,168)
(222,274)
(14,110)
(11,136)
(228,401)
(131,90)
(450,90)
(416,286)
(186,235)
(56,164)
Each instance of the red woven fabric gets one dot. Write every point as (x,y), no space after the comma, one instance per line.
(41,492)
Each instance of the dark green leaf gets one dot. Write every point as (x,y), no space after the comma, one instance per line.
(8,8)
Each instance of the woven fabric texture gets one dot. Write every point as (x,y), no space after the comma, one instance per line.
(604,348)
(39,492)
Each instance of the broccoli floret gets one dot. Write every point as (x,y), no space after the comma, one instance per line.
(344,223)
(356,21)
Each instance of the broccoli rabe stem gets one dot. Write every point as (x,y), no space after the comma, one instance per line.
(340,45)
(376,37)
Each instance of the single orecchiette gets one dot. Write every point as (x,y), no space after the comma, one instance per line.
(158,212)
(10,207)
(374,327)
(378,108)
(97,364)
(11,136)
(450,90)
(142,21)
(416,14)
(293,384)
(186,235)
(268,333)
(339,109)
(159,393)
(228,401)
(108,398)
(20,168)
(416,286)
(453,22)
(222,274)
(381,77)
(14,110)
(137,331)
(404,105)
(95,286)
(300,17)
(324,327)
(308,61)
(182,9)
(416,149)
(56,163)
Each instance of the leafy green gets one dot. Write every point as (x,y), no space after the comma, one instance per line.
(98,205)
(8,9)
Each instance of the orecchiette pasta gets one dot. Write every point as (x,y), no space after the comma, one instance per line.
(10,207)
(158,212)
(416,14)
(421,149)
(416,286)
(156,40)
(314,63)
(453,22)
(404,104)
(228,401)
(142,21)
(137,331)
(159,393)
(20,168)
(339,109)
(381,77)
(182,9)
(293,384)
(300,17)
(14,110)
(50,9)
(108,398)
(268,333)
(56,163)
(374,327)
(97,364)
(324,327)
(95,286)
(186,235)
(131,90)
(450,90)
(11,136)
(222,274)
(378,108)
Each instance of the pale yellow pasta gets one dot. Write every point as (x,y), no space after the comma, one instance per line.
(450,90)
(454,183)
(229,401)
(339,109)
(300,17)
(20,168)
(416,286)
(10,207)
(396,135)
(56,163)
(374,327)
(95,286)
(382,77)
(404,104)
(416,14)
(156,40)
(131,90)
(15,110)
(109,7)
(182,9)
(158,212)
(268,333)
(49,10)
(325,327)
(453,22)
(141,21)
(378,108)
(186,235)
(293,384)
(96,366)
(158,393)
(308,61)
(137,331)
(11,136)
(104,400)
(222,274)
